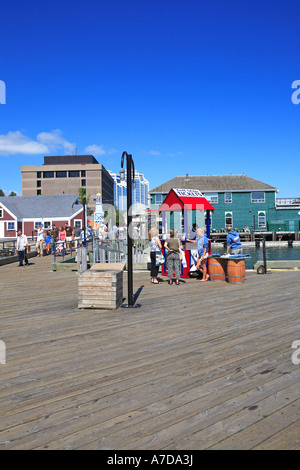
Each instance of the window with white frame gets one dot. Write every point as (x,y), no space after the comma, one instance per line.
(228,219)
(11,226)
(47,224)
(211,197)
(158,199)
(262,221)
(78,223)
(227,198)
(38,223)
(1,214)
(258,196)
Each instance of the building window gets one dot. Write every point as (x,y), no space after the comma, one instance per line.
(228,219)
(38,192)
(61,174)
(1,214)
(258,196)
(39,174)
(47,224)
(38,184)
(37,224)
(48,174)
(83,183)
(158,199)
(78,223)
(74,174)
(227,198)
(211,197)
(11,226)
(83,174)
(262,219)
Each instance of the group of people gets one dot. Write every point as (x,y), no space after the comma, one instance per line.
(174,250)
(63,235)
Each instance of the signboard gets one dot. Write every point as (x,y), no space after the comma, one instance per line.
(188,192)
(98,217)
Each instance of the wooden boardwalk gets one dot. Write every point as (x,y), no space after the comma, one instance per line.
(196,366)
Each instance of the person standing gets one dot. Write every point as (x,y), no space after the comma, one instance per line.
(233,242)
(54,235)
(77,232)
(203,247)
(155,247)
(69,236)
(173,246)
(21,246)
(40,241)
(47,243)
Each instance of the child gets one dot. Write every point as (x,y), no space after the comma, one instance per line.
(47,243)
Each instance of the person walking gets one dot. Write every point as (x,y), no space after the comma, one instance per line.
(155,248)
(173,246)
(21,246)
(203,247)
(233,242)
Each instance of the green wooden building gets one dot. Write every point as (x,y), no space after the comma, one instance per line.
(239,201)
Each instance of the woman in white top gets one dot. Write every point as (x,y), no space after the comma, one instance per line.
(155,247)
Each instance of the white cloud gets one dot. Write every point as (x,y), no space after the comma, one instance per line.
(155,153)
(54,140)
(96,150)
(16,143)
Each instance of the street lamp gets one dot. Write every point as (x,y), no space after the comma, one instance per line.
(130,181)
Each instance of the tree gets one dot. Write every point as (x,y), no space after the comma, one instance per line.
(12,193)
(82,197)
(2,194)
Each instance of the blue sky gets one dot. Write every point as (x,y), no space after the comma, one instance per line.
(185,86)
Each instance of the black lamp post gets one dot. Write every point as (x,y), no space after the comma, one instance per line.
(130,180)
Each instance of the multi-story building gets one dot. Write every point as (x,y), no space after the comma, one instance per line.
(65,175)
(239,201)
(140,192)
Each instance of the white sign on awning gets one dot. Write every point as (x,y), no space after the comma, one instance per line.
(188,192)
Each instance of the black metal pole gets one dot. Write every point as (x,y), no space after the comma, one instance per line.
(84,227)
(129,222)
(264,253)
(130,177)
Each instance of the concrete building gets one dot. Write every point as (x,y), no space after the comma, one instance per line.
(65,175)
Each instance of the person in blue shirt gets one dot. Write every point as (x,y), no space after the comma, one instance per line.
(203,247)
(233,242)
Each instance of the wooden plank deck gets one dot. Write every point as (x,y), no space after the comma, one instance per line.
(196,366)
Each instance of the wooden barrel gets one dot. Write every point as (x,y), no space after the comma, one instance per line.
(236,270)
(217,269)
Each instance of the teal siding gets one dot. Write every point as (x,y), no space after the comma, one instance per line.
(244,212)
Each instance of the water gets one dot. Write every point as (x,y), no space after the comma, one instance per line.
(273,253)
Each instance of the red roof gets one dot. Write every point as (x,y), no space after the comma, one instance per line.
(187,199)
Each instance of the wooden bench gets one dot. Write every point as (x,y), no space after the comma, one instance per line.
(101,287)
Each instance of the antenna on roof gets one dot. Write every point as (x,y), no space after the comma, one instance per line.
(187,179)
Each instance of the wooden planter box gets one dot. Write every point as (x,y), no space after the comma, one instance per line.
(101,287)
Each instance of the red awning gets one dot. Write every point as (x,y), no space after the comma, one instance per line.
(187,199)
